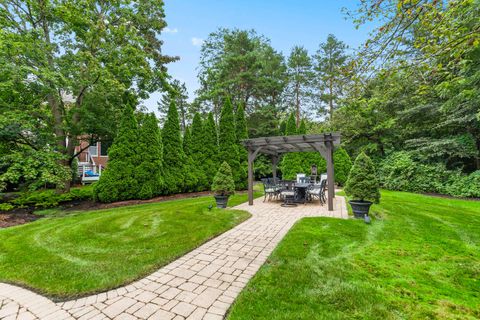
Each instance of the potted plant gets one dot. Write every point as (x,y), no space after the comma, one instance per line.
(362,186)
(223,185)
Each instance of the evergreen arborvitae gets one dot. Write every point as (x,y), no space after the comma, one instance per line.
(228,148)
(362,183)
(187,142)
(149,173)
(302,129)
(291,163)
(174,158)
(342,165)
(118,181)
(198,139)
(210,149)
(241,134)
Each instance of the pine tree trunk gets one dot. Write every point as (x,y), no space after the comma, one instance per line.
(297,94)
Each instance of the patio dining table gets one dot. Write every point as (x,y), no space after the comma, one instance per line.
(301,194)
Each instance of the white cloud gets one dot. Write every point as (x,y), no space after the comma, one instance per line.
(197,41)
(168,30)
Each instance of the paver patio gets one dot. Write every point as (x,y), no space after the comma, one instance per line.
(200,285)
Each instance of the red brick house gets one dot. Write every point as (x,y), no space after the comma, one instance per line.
(91,160)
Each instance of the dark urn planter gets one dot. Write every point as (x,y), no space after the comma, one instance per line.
(360,208)
(221,201)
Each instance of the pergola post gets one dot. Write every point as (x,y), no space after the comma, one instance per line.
(330,175)
(274,167)
(252,154)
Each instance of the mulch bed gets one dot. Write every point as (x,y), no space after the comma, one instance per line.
(16,217)
(25,215)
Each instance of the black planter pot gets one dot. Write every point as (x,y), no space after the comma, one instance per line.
(221,201)
(360,208)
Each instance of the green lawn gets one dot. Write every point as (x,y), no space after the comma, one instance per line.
(419,260)
(67,256)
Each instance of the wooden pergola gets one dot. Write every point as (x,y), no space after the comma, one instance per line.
(275,146)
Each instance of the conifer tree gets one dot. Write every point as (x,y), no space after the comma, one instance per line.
(291,163)
(342,165)
(118,180)
(149,173)
(228,148)
(197,154)
(174,158)
(210,148)
(187,142)
(283,128)
(241,134)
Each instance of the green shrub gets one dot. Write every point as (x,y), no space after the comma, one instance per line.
(50,198)
(6,206)
(362,183)
(465,186)
(223,183)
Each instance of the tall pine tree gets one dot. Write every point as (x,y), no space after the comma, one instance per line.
(291,163)
(241,134)
(118,181)
(228,148)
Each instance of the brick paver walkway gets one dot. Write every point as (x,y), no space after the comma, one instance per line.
(200,285)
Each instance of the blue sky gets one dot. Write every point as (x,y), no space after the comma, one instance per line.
(285,22)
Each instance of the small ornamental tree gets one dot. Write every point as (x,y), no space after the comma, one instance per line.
(228,148)
(362,183)
(241,134)
(223,183)
(118,181)
(342,164)
(149,172)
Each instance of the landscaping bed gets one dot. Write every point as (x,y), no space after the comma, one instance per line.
(419,259)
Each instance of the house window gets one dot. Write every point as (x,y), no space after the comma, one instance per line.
(93,149)
(104,148)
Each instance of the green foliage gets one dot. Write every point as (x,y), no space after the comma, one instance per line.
(342,165)
(210,149)
(178,93)
(50,198)
(362,183)
(118,181)
(243,65)
(33,169)
(223,183)
(198,154)
(400,171)
(6,206)
(241,134)
(65,68)
(228,147)
(331,73)
(149,173)
(176,173)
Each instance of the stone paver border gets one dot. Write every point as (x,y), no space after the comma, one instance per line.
(200,285)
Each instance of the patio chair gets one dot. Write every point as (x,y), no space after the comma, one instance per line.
(270,190)
(317,191)
(288,197)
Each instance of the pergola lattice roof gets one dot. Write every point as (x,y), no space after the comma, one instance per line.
(299,143)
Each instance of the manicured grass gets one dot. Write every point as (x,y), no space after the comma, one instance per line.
(420,259)
(67,256)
